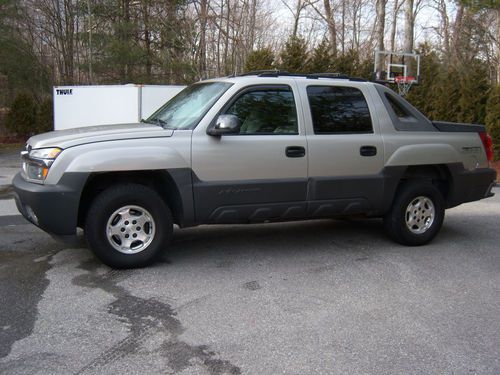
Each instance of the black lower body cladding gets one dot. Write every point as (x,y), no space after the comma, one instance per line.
(463,185)
(54,208)
(469,186)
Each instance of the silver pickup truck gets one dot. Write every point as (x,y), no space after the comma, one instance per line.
(249,149)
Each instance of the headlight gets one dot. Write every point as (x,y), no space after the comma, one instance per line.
(36,163)
(45,153)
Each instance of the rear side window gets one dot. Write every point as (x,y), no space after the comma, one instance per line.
(339,110)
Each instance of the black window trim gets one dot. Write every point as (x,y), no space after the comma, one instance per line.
(422,123)
(339,133)
(246,89)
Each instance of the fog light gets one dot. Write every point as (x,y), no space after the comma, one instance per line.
(35,172)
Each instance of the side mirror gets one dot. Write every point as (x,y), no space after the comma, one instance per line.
(225,124)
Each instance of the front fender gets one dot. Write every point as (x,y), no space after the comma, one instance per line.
(125,155)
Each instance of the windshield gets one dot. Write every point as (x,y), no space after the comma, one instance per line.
(187,108)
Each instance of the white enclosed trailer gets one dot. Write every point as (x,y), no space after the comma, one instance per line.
(77,106)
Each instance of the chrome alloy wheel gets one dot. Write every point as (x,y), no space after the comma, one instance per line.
(420,215)
(130,229)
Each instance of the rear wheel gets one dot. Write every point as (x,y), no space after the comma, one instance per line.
(416,215)
(128,226)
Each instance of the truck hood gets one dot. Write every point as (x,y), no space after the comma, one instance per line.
(90,134)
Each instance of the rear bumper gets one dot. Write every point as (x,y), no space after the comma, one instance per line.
(469,186)
(53,208)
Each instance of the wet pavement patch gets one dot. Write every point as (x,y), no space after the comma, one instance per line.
(22,283)
(144,318)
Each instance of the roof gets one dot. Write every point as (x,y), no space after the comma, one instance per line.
(278,73)
(266,74)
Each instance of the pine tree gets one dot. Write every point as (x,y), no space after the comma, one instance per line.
(423,95)
(474,90)
(18,62)
(446,96)
(493,118)
(321,60)
(260,59)
(351,64)
(294,56)
(22,115)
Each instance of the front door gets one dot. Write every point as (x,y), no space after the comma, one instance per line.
(260,172)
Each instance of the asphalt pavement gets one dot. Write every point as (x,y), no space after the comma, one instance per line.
(317,297)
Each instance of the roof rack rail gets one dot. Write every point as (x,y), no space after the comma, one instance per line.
(327,75)
(278,73)
(335,76)
(358,79)
(263,73)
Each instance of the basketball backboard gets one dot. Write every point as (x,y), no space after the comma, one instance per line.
(389,65)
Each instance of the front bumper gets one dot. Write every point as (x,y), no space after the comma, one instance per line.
(53,208)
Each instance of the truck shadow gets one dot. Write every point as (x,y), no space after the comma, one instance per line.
(359,237)
(276,239)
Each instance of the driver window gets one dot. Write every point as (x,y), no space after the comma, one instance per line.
(266,111)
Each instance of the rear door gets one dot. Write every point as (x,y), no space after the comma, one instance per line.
(345,149)
(259,173)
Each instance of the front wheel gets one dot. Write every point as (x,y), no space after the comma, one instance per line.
(128,226)
(416,215)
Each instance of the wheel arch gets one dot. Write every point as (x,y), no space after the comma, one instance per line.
(440,175)
(173,186)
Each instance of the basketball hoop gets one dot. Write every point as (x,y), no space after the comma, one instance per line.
(404,84)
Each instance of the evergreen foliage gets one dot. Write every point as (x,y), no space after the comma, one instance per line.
(149,46)
(321,60)
(445,105)
(474,90)
(493,118)
(21,119)
(45,116)
(424,95)
(350,63)
(260,59)
(450,93)
(294,56)
(17,60)
(480,4)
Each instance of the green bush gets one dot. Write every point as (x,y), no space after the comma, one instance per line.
(493,118)
(21,119)
(321,60)
(474,92)
(45,116)
(294,56)
(260,59)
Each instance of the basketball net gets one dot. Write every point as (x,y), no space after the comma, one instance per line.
(404,84)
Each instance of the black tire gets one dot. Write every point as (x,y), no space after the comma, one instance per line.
(395,222)
(135,199)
